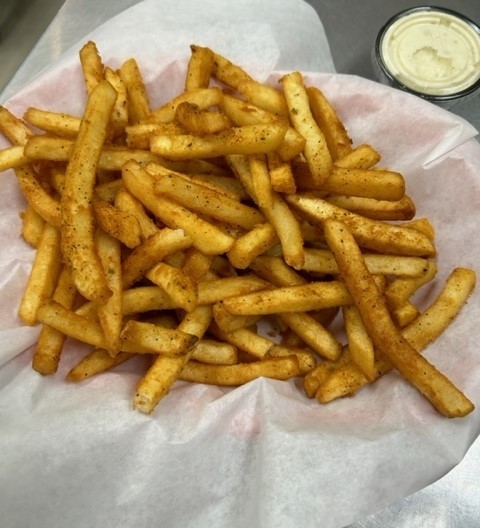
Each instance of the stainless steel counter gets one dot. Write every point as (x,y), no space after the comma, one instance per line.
(453,501)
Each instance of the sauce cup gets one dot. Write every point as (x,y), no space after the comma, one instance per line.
(431,52)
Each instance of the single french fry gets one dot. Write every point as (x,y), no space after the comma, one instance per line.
(316,150)
(119,224)
(227,186)
(361,157)
(82,328)
(13,157)
(157,383)
(178,285)
(233,375)
(51,148)
(147,338)
(405,314)
(50,341)
(336,135)
(403,209)
(138,102)
(113,158)
(423,225)
(435,319)
(199,68)
(215,352)
(215,290)
(314,334)
(261,185)
(119,119)
(250,139)
(251,245)
(32,226)
(44,204)
(59,124)
(43,276)
(359,342)
(92,65)
(244,339)
(263,96)
(377,184)
(304,298)
(438,389)
(77,230)
(110,314)
(323,261)
(96,362)
(145,299)
(227,72)
(242,112)
(13,128)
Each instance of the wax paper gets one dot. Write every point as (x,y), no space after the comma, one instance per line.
(261,455)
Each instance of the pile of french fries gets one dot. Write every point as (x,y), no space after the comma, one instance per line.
(221,234)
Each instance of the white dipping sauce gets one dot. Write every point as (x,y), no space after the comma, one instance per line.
(432,52)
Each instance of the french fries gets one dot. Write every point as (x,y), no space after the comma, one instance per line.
(345,378)
(220,235)
(388,340)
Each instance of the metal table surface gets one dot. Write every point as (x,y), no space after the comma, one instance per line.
(454,500)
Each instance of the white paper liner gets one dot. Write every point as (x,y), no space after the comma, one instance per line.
(262,454)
